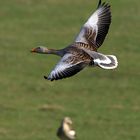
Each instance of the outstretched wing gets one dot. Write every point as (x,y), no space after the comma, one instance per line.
(96,28)
(68,65)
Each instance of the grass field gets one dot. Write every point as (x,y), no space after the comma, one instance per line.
(104,105)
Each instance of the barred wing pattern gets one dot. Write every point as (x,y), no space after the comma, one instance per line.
(96,28)
(68,65)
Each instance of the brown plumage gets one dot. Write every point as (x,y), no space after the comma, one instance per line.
(83,51)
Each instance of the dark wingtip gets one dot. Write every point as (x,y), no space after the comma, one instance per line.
(100,1)
(45,77)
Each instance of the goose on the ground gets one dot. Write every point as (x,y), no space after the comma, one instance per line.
(65,131)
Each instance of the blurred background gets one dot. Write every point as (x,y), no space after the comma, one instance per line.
(104,104)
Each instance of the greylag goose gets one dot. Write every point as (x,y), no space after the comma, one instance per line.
(65,131)
(83,51)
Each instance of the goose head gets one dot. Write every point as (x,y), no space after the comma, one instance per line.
(40,49)
(67,120)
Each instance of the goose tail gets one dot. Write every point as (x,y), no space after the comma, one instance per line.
(106,61)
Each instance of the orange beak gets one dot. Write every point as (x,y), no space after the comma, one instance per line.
(33,50)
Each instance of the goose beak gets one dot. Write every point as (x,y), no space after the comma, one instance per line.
(33,50)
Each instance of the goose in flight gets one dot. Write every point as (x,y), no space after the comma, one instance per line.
(65,131)
(83,51)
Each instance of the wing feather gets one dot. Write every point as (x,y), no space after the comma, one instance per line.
(66,67)
(96,28)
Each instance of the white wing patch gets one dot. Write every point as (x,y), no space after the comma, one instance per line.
(98,26)
(93,20)
(92,24)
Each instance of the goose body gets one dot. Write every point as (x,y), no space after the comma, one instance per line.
(65,131)
(83,51)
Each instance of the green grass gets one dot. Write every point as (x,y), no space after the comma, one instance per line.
(104,105)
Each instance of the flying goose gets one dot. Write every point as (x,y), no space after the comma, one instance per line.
(83,51)
(65,131)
